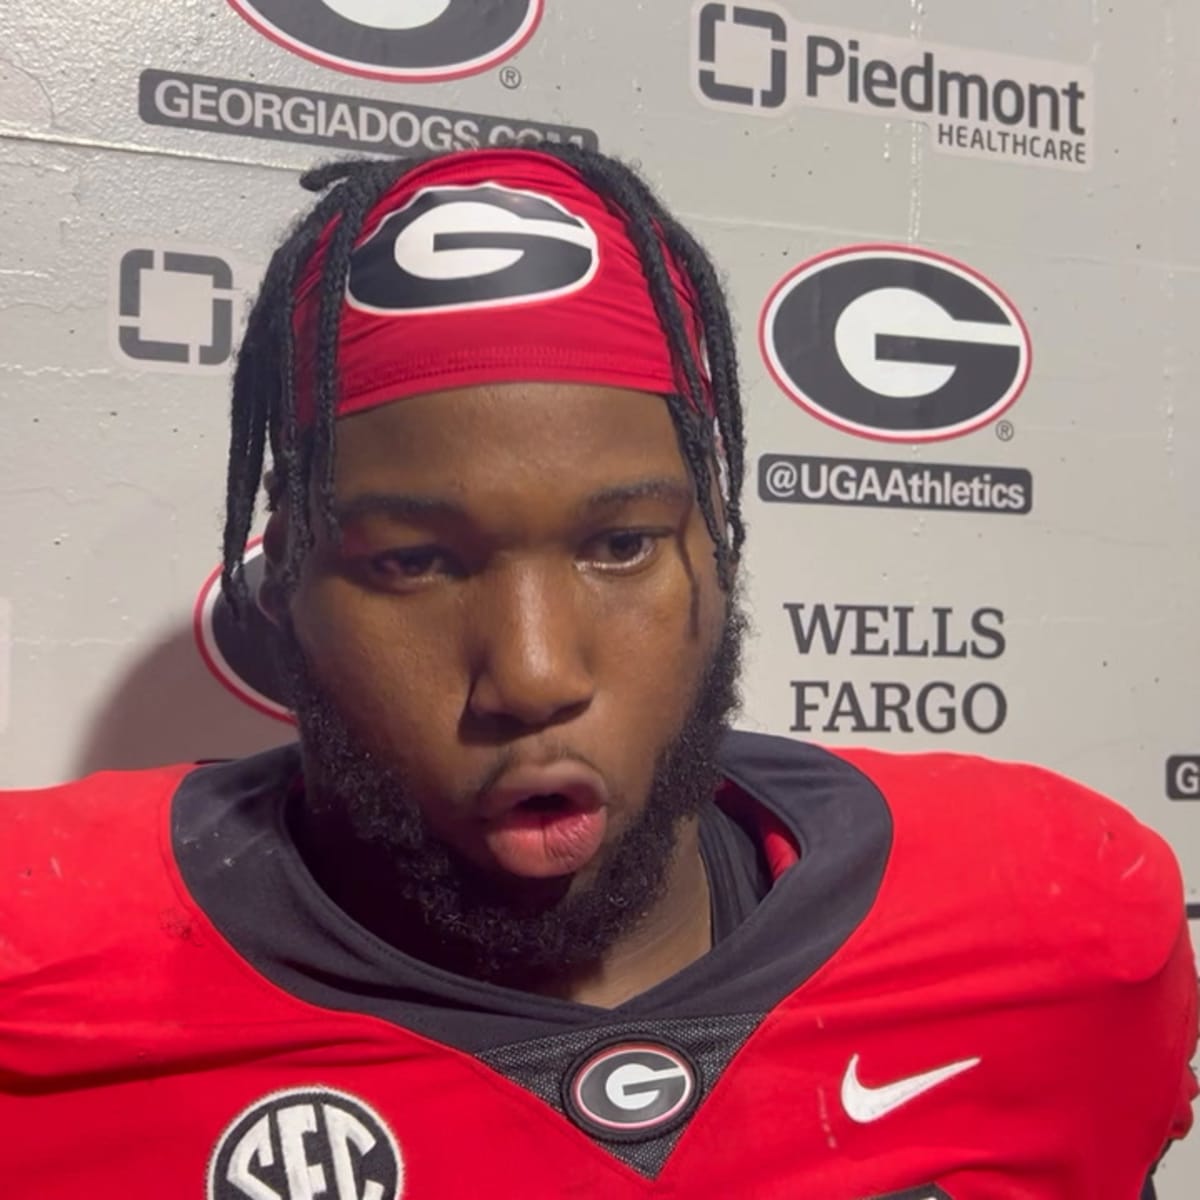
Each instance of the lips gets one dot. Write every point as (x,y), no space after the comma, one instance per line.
(580,786)
(545,821)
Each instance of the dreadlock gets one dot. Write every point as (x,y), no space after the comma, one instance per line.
(264,384)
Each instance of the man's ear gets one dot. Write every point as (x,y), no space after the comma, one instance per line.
(271,599)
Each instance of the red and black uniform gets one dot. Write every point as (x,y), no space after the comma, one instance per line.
(934,976)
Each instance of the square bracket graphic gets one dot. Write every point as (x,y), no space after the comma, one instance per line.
(176,308)
(741,56)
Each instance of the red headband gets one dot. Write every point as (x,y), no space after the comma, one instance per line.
(488,266)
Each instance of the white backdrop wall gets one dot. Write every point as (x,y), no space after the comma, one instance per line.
(973,523)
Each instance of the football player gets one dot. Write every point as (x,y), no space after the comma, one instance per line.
(518,915)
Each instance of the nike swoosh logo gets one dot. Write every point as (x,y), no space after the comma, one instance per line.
(865,1104)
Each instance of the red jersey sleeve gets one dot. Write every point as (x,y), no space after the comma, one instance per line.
(1062,899)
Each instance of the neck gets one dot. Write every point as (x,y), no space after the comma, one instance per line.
(672,934)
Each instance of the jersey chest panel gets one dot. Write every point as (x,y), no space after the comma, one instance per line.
(345,1108)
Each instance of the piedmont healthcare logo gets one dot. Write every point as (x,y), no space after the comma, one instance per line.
(761,60)
(418,41)
(895,343)
(175,308)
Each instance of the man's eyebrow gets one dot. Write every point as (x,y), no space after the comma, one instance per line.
(673,491)
(394,504)
(406,506)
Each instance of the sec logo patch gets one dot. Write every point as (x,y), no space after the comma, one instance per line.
(306,1142)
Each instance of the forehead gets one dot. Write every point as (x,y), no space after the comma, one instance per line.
(506,437)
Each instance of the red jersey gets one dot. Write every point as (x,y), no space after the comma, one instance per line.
(966,980)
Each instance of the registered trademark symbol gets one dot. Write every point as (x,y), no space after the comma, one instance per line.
(1005,431)
(510,77)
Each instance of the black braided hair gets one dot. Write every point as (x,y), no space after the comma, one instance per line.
(264,383)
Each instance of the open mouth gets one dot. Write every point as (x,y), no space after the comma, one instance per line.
(551,802)
(561,789)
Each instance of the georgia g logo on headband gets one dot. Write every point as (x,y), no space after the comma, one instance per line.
(411,41)
(482,246)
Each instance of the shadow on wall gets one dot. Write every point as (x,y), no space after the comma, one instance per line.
(168,709)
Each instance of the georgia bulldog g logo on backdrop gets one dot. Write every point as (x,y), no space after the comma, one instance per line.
(240,656)
(482,246)
(408,41)
(896,343)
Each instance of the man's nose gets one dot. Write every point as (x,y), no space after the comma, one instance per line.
(532,636)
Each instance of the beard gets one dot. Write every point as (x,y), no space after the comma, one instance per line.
(447,910)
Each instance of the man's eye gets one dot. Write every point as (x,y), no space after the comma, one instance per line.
(623,548)
(401,565)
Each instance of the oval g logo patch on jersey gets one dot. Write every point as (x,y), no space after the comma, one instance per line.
(631,1090)
(895,343)
(303,1143)
(484,246)
(409,41)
